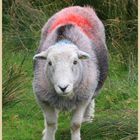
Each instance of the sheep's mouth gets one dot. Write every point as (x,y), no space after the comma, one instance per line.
(68,95)
(65,94)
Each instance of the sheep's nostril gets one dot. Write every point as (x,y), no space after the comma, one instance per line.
(63,88)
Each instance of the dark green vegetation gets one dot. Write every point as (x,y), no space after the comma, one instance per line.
(116,106)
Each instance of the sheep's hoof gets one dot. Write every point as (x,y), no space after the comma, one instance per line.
(87,120)
(43,132)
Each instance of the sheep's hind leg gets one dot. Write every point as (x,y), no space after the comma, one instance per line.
(89,112)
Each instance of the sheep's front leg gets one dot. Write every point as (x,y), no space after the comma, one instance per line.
(50,118)
(77,121)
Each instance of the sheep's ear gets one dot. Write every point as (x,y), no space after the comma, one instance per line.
(42,55)
(83,55)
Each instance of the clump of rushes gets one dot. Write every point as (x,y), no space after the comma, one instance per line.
(23,19)
(13,84)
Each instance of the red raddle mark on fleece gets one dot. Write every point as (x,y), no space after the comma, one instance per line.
(74,19)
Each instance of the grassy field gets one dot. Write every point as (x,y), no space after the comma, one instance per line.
(116,106)
(115,117)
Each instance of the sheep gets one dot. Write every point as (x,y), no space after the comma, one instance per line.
(70,67)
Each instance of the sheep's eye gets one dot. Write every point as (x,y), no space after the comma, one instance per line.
(75,62)
(50,63)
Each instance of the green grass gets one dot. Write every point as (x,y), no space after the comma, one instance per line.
(115,116)
(116,106)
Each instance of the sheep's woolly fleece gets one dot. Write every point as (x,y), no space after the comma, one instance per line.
(83,28)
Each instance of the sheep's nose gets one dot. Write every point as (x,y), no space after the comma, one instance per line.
(63,88)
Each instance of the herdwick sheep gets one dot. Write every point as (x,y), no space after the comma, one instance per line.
(70,67)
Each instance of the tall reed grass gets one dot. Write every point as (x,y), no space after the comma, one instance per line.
(13,83)
(23,20)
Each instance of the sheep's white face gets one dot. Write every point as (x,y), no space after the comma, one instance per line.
(63,67)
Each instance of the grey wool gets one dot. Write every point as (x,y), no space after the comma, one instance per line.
(72,50)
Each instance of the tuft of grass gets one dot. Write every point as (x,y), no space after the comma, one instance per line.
(13,84)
